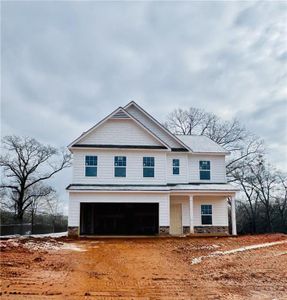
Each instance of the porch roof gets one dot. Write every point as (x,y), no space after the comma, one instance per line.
(190,187)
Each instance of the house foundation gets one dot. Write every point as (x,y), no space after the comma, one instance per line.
(164,230)
(212,229)
(73,231)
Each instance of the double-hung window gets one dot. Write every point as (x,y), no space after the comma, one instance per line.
(148,166)
(204,169)
(206,214)
(120,164)
(91,165)
(175,166)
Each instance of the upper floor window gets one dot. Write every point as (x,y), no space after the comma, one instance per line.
(206,214)
(204,169)
(175,166)
(148,166)
(91,165)
(120,164)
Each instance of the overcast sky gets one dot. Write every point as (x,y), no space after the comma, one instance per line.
(65,65)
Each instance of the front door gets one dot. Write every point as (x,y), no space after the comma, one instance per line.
(175,219)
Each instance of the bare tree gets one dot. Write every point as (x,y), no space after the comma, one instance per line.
(40,195)
(229,134)
(26,164)
(264,180)
(250,204)
(280,199)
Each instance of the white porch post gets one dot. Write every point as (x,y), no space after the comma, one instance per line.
(191,218)
(233,216)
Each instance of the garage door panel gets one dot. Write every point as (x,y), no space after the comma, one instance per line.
(119,218)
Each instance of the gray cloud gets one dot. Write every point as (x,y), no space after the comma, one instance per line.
(65,65)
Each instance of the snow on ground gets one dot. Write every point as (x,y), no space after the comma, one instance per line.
(199,259)
(52,235)
(52,246)
(39,242)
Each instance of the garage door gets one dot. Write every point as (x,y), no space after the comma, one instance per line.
(119,218)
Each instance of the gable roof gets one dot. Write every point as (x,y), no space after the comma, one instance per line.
(190,143)
(119,113)
(202,144)
(157,124)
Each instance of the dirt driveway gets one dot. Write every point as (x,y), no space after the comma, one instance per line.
(163,268)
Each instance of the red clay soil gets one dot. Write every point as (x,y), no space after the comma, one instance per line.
(159,268)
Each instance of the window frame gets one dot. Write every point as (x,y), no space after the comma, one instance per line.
(89,166)
(175,167)
(209,213)
(148,164)
(204,170)
(121,165)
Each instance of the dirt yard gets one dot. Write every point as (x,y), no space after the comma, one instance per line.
(159,268)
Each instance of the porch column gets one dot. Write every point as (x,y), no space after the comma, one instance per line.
(191,218)
(233,216)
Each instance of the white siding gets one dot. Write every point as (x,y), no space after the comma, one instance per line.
(134,169)
(183,176)
(120,132)
(217,166)
(189,167)
(219,210)
(76,198)
(153,127)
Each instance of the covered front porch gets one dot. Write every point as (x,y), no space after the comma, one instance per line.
(202,213)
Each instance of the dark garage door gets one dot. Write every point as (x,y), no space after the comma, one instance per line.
(119,218)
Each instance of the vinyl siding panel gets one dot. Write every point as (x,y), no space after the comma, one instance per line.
(219,210)
(120,132)
(217,166)
(105,172)
(76,198)
(153,127)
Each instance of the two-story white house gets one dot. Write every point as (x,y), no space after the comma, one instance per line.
(131,176)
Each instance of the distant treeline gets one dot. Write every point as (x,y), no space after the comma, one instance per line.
(246,223)
(42,223)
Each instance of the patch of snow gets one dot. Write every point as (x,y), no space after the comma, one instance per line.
(206,247)
(52,235)
(198,260)
(51,246)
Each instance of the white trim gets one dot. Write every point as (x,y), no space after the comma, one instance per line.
(155,121)
(115,149)
(118,191)
(171,193)
(211,153)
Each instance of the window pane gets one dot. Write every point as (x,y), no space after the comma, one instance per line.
(175,170)
(206,209)
(91,171)
(206,220)
(120,172)
(91,160)
(205,175)
(120,161)
(204,165)
(148,172)
(175,162)
(148,161)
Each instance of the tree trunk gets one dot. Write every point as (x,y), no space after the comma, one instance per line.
(32,222)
